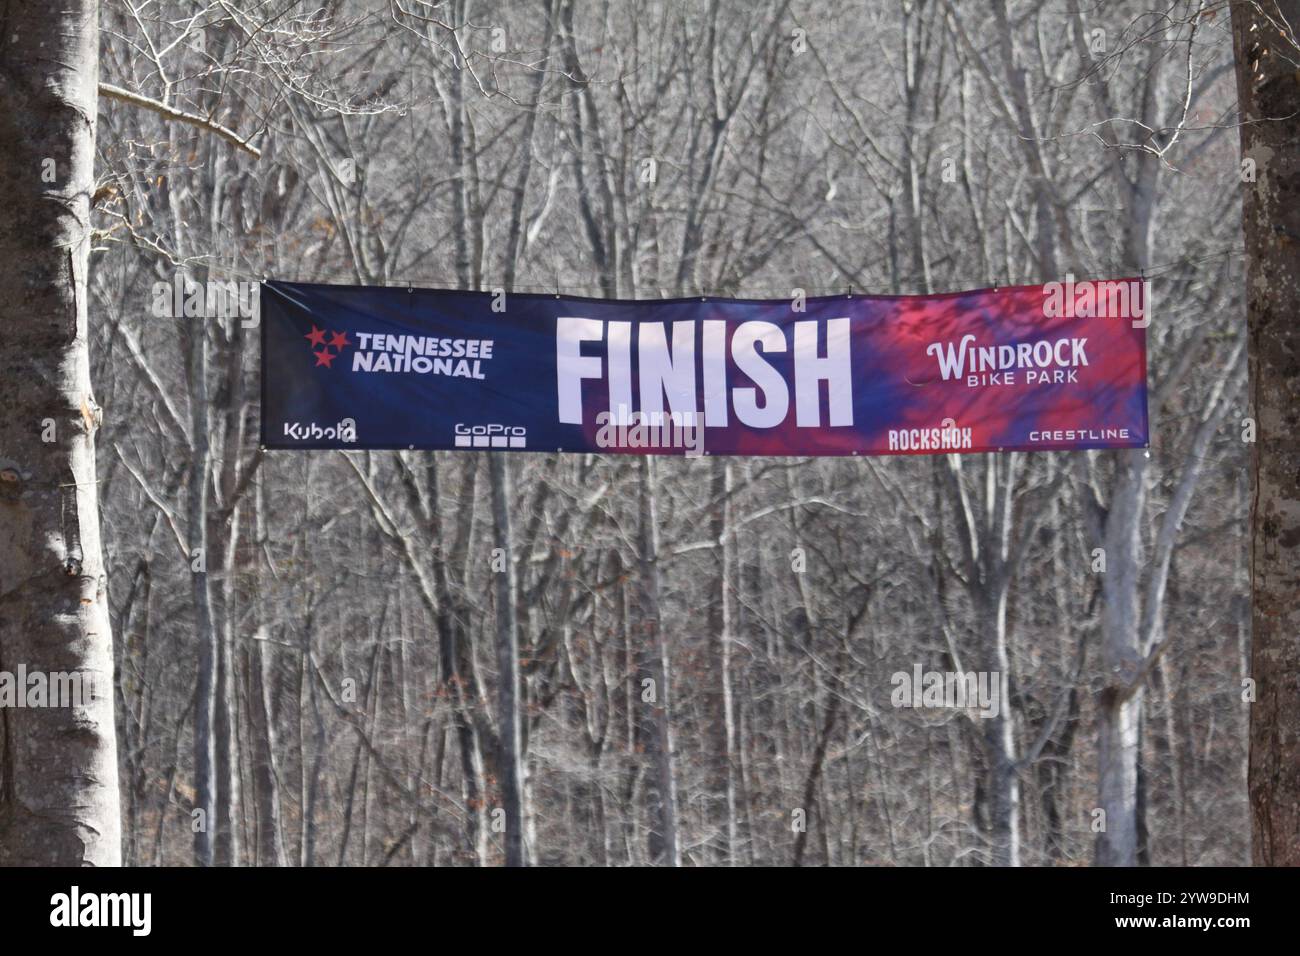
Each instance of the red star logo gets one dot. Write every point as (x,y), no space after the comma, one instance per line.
(317,336)
(324,358)
(339,341)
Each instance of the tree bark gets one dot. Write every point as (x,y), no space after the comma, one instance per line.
(1269,101)
(508,734)
(59,801)
(661,791)
(1121,702)
(205,707)
(262,691)
(266,784)
(998,730)
(721,616)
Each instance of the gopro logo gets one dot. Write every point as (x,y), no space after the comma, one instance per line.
(491,436)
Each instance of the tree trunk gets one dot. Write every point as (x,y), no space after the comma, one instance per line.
(509,758)
(1121,702)
(721,618)
(1269,100)
(262,691)
(999,739)
(449,617)
(266,784)
(58,765)
(205,706)
(661,791)
(227,845)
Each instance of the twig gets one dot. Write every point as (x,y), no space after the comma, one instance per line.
(180,116)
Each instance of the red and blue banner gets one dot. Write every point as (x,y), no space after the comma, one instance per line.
(1055,367)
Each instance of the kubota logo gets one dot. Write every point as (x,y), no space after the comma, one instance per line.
(344,431)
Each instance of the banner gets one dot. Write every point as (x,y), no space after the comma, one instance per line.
(1032,368)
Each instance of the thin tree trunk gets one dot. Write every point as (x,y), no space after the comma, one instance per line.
(509,757)
(266,784)
(999,742)
(266,781)
(312,772)
(661,795)
(449,622)
(227,844)
(1121,703)
(814,775)
(726,725)
(59,802)
(205,708)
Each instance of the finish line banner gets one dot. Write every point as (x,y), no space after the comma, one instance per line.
(1030,368)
